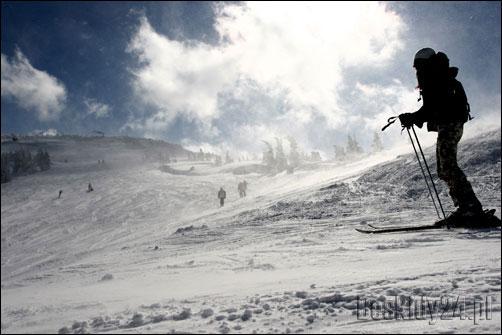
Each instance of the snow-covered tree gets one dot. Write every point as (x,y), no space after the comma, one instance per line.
(315,156)
(294,155)
(228,158)
(200,155)
(23,162)
(268,156)
(6,174)
(281,162)
(42,160)
(353,147)
(377,143)
(217,160)
(339,153)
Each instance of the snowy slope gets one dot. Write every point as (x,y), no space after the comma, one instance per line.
(150,251)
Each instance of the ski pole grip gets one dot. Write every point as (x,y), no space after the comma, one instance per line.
(390,121)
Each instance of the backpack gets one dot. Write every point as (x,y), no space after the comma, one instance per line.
(451,94)
(457,96)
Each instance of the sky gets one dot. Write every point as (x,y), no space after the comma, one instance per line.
(229,75)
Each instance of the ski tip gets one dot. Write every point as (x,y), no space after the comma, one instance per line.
(364,231)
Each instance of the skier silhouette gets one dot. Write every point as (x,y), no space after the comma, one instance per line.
(244,188)
(222,195)
(239,189)
(445,109)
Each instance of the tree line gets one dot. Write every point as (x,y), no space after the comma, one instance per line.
(22,162)
(353,150)
(276,160)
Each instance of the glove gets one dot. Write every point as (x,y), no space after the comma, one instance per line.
(407,119)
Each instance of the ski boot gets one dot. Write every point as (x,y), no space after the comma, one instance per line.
(470,219)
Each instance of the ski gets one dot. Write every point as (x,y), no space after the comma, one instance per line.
(374,230)
(400,228)
(489,222)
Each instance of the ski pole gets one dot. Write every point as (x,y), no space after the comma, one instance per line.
(390,121)
(423,172)
(429,171)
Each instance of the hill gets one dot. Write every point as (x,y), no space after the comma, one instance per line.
(149,251)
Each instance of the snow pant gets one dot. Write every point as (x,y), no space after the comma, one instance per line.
(222,202)
(461,190)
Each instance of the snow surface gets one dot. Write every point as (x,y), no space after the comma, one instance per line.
(149,251)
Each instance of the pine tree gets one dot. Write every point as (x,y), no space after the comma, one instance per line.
(268,156)
(22,162)
(377,143)
(42,160)
(294,156)
(16,162)
(353,147)
(47,161)
(339,153)
(217,161)
(280,157)
(28,165)
(228,158)
(315,156)
(6,175)
(39,159)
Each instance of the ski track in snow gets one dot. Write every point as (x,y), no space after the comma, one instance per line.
(149,251)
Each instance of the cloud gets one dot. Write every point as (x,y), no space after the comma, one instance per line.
(279,69)
(48,132)
(32,89)
(99,110)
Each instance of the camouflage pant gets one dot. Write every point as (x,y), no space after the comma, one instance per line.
(448,170)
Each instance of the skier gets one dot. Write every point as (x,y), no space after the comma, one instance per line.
(222,195)
(239,188)
(60,192)
(244,188)
(445,109)
(89,188)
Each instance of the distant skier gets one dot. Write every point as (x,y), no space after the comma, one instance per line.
(222,195)
(89,188)
(244,187)
(445,109)
(60,192)
(240,189)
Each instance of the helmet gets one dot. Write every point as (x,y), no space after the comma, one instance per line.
(422,55)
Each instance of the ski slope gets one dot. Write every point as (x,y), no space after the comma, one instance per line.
(152,252)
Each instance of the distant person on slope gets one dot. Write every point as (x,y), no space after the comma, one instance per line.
(222,195)
(244,187)
(445,109)
(89,188)
(240,189)
(60,192)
